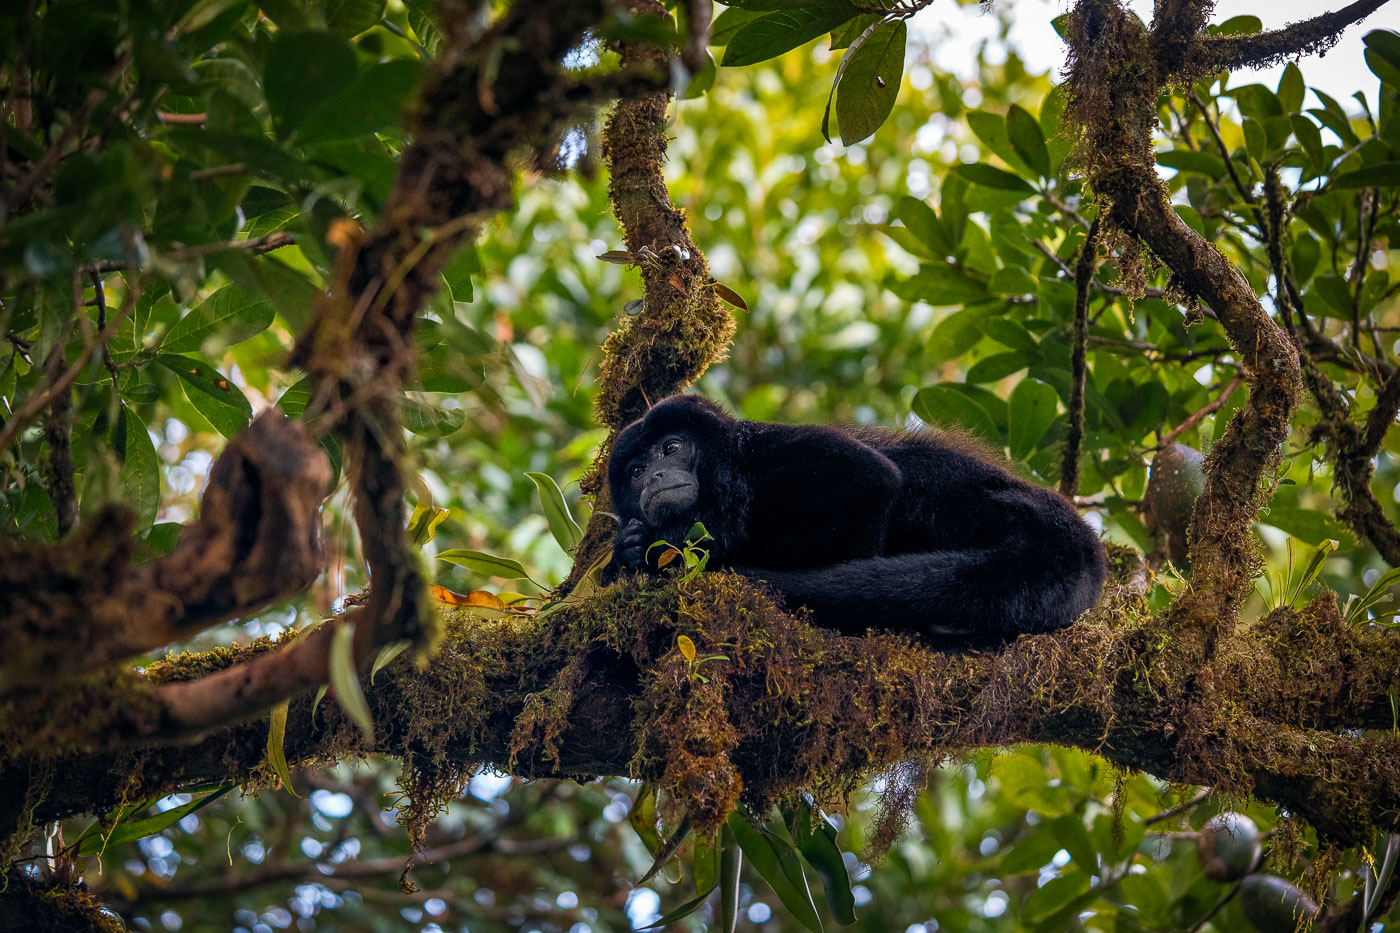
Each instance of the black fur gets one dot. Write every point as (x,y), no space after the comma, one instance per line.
(919,532)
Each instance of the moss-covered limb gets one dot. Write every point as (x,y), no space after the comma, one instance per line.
(682,327)
(1115,76)
(1340,675)
(76,605)
(1350,447)
(1338,781)
(1316,35)
(601,688)
(1084,268)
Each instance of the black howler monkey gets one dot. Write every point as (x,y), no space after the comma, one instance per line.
(918,532)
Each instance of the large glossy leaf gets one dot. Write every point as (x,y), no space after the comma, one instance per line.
(210,392)
(140,473)
(775,33)
(96,843)
(556,511)
(816,840)
(989,176)
(1027,141)
(1032,410)
(947,407)
(777,862)
(870,82)
(226,317)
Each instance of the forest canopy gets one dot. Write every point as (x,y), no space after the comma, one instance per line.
(317,322)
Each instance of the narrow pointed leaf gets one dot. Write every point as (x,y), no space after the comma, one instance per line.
(777,862)
(346,680)
(556,511)
(276,737)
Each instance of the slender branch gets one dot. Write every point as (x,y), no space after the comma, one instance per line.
(1311,36)
(256,245)
(1083,279)
(1209,408)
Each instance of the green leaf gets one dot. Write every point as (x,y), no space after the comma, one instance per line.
(1012,280)
(303,69)
(923,223)
(486,564)
(1054,894)
(458,272)
(346,680)
(429,420)
(685,910)
(868,88)
(771,35)
(816,840)
(1031,412)
(1291,89)
(371,104)
(940,285)
(731,862)
(946,406)
(729,22)
(843,37)
(210,392)
(96,843)
(777,863)
(349,18)
(1188,160)
(1305,524)
(706,863)
(227,317)
(1305,254)
(955,335)
(1382,67)
(1379,175)
(1310,138)
(1013,335)
(989,176)
(423,523)
(556,511)
(276,739)
(1027,140)
(140,472)
(996,367)
(387,654)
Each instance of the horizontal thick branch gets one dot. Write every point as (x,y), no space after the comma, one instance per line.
(601,689)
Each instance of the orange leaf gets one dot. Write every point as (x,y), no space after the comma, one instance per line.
(480,599)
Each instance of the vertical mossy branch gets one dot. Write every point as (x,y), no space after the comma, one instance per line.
(682,327)
(1117,70)
(1083,281)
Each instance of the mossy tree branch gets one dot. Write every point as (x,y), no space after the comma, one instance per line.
(1311,36)
(601,689)
(1117,70)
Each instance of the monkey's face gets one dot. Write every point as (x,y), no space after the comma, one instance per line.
(662,479)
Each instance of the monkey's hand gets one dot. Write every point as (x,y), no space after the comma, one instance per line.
(632,542)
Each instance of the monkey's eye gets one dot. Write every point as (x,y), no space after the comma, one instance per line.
(636,470)
(671,447)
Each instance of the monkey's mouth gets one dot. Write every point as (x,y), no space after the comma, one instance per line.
(669,498)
